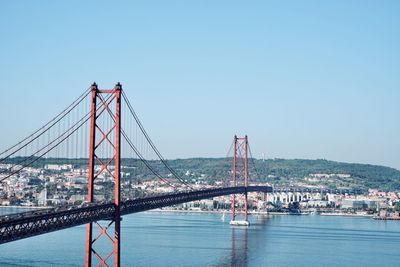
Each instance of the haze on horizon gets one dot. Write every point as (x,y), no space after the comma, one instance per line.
(304,79)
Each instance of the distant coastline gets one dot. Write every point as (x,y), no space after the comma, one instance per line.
(194,211)
(258,213)
(26,207)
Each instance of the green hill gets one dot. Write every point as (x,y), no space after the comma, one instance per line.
(296,172)
(281,172)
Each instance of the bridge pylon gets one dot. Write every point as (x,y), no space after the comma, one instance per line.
(105,153)
(240,170)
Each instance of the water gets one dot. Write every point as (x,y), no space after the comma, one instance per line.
(12,210)
(182,239)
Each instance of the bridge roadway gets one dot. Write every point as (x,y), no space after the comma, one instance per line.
(23,225)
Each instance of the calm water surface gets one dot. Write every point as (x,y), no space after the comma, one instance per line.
(167,239)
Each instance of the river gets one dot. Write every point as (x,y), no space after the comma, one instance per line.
(191,239)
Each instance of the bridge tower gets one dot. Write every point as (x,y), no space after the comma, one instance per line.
(240,170)
(105,151)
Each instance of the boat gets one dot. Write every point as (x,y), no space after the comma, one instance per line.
(239,223)
(313,212)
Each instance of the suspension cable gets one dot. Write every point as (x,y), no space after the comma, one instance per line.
(148,165)
(254,164)
(144,160)
(46,127)
(151,142)
(224,161)
(44,153)
(81,122)
(137,152)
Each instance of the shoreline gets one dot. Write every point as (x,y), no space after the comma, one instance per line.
(213,212)
(259,213)
(216,212)
(26,207)
(347,215)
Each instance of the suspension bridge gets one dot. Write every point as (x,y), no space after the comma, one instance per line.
(101,130)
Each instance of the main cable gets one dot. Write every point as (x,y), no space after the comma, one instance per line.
(151,142)
(137,151)
(40,156)
(49,125)
(130,143)
(252,161)
(82,121)
(225,161)
(144,160)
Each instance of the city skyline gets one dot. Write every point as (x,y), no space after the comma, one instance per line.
(302,81)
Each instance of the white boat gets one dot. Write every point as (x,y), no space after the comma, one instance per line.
(239,223)
(313,211)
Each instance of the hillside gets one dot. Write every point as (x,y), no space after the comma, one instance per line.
(281,172)
(298,172)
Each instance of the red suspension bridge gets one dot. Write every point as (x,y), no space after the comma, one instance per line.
(91,129)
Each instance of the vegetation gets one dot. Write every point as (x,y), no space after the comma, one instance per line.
(294,171)
(284,172)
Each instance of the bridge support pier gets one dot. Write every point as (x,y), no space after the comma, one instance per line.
(241,168)
(110,137)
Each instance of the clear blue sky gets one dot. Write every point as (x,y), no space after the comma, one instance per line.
(304,79)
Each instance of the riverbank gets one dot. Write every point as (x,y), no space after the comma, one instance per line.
(262,213)
(347,214)
(198,211)
(26,207)
(211,212)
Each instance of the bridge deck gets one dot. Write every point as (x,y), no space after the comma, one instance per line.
(21,226)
